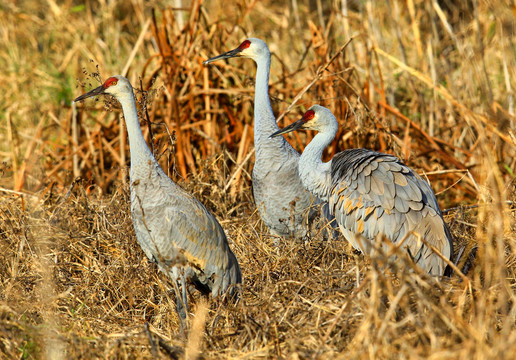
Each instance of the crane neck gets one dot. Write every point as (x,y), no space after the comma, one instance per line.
(264,120)
(140,152)
(316,174)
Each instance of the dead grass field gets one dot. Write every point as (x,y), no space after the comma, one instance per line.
(429,81)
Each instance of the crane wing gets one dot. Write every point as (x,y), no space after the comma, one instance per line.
(376,194)
(174,228)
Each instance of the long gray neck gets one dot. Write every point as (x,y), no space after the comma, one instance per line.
(140,152)
(264,120)
(316,174)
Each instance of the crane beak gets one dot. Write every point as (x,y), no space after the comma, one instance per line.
(226,55)
(292,127)
(94,92)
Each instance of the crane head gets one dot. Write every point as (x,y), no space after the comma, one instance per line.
(302,123)
(115,85)
(249,48)
(316,118)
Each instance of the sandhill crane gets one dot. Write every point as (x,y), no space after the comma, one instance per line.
(173,228)
(283,203)
(371,193)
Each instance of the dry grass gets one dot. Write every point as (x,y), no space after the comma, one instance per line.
(426,80)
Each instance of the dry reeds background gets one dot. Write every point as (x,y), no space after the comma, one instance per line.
(429,81)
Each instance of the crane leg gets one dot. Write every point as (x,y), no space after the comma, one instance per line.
(181,304)
(331,228)
(184,291)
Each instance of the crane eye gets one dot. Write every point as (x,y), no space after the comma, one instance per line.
(110,82)
(244,45)
(309,115)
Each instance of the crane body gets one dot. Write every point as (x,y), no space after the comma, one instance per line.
(173,228)
(372,194)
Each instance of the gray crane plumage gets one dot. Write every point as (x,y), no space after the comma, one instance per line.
(172,227)
(283,203)
(373,194)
